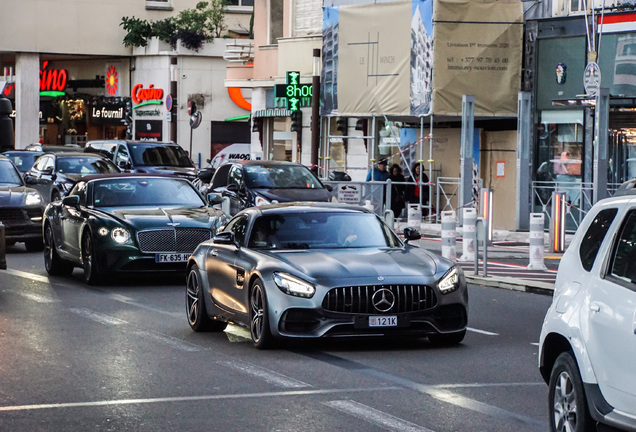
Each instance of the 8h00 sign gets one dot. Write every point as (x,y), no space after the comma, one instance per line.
(293,91)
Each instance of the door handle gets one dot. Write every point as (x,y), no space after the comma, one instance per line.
(595,307)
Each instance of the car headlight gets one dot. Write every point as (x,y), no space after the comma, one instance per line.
(294,286)
(103,231)
(32,198)
(120,235)
(259,201)
(450,281)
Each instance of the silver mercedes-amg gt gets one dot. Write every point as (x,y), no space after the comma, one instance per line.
(309,270)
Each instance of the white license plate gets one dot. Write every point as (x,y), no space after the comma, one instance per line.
(383,321)
(170,258)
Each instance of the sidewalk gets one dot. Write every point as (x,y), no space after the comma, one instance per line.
(508,254)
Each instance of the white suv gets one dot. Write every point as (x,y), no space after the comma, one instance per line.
(587,350)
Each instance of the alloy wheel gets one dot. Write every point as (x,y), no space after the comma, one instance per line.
(258,321)
(192,297)
(48,248)
(565,403)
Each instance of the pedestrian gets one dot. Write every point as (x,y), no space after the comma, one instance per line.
(414,191)
(397,190)
(378,172)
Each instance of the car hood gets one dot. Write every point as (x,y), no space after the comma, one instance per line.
(361,263)
(291,195)
(13,196)
(141,218)
(189,172)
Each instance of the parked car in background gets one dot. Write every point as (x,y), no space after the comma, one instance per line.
(49,148)
(232,153)
(254,183)
(23,159)
(587,348)
(53,174)
(21,208)
(146,157)
(313,270)
(127,223)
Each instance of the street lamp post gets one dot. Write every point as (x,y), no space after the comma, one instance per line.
(315,109)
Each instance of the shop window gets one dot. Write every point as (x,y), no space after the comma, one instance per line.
(560,150)
(159,4)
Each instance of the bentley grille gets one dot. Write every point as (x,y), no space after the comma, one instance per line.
(172,240)
(360,299)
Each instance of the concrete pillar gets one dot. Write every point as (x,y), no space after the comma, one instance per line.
(27,99)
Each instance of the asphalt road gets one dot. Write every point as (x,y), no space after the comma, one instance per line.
(121,357)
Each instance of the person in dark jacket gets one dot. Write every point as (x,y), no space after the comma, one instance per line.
(397,190)
(413,191)
(378,172)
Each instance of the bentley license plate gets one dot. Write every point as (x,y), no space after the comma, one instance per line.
(170,258)
(383,321)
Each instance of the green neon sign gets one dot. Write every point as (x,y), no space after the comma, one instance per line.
(293,91)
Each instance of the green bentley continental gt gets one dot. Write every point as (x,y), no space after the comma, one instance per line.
(127,223)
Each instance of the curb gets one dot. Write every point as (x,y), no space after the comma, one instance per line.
(511,284)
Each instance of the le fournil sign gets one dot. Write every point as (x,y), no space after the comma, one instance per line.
(107,113)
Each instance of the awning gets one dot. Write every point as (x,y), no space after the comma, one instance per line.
(272,112)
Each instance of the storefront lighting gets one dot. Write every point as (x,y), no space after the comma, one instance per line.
(243,117)
(52,93)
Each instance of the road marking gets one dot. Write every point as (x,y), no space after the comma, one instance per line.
(131,301)
(266,375)
(478,385)
(27,275)
(97,317)
(35,297)
(290,393)
(170,341)
(487,333)
(374,416)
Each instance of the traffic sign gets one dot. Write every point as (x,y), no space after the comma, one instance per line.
(592,78)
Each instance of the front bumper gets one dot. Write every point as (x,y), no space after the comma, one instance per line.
(22,223)
(129,259)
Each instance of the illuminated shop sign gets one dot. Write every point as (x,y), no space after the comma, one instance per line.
(52,82)
(293,91)
(107,113)
(146,96)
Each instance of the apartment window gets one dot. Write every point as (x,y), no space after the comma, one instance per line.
(275,21)
(307,17)
(159,4)
(240,3)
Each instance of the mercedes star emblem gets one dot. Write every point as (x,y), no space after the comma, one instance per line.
(383,300)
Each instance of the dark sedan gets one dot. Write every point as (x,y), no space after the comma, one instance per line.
(22,159)
(127,223)
(255,183)
(53,174)
(21,208)
(310,270)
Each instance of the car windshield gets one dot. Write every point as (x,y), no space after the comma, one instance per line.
(321,230)
(281,177)
(23,161)
(120,192)
(9,176)
(85,165)
(158,155)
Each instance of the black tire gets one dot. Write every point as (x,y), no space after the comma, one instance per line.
(259,317)
(447,339)
(54,265)
(568,409)
(92,272)
(195,305)
(35,245)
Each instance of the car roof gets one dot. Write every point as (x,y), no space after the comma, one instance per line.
(77,154)
(156,143)
(627,188)
(266,163)
(128,175)
(23,152)
(304,207)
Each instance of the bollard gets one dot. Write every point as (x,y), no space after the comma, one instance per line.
(536,242)
(414,216)
(469,216)
(3,248)
(557,224)
(481,231)
(486,210)
(449,235)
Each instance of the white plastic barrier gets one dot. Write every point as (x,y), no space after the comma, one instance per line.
(469,216)
(414,216)
(449,235)
(536,241)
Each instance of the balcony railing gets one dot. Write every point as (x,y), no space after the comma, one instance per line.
(239,52)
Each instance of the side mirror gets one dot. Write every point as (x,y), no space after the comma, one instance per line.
(215,198)
(225,237)
(71,201)
(411,234)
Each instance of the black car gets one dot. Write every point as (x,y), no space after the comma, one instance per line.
(21,208)
(255,183)
(315,270)
(127,223)
(54,174)
(51,148)
(23,159)
(146,157)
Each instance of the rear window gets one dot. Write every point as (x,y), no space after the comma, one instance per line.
(593,238)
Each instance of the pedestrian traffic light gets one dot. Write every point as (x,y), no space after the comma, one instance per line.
(296,121)
(341,124)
